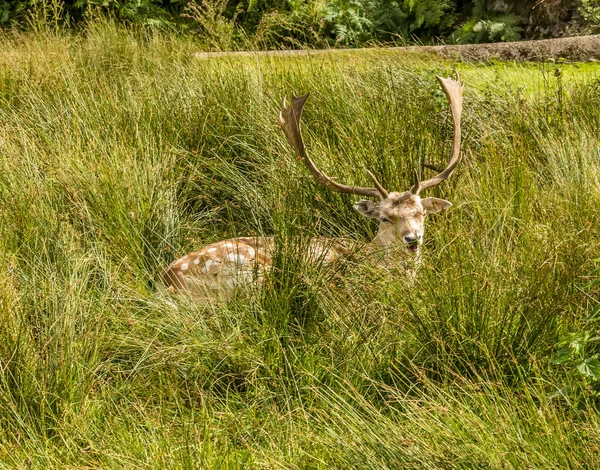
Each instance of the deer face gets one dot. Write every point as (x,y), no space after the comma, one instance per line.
(401,218)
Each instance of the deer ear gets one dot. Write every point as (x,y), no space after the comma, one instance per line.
(434,204)
(367,208)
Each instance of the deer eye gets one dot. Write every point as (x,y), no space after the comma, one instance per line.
(383,219)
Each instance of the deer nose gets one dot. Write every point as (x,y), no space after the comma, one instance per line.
(410,238)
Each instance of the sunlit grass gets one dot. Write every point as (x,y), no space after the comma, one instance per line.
(121,151)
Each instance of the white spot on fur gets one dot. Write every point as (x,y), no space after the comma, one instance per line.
(251,251)
(197,261)
(211,250)
(210,263)
(184,266)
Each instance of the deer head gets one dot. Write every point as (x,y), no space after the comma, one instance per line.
(401,215)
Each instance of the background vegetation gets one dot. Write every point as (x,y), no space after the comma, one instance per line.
(120,151)
(274,24)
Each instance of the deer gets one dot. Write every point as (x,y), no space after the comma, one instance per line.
(220,267)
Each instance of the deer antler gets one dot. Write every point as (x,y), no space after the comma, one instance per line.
(453,91)
(289,120)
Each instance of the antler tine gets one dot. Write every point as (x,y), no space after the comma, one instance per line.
(382,191)
(417,186)
(453,91)
(289,120)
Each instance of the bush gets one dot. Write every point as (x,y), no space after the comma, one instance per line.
(590,11)
(71,12)
(488,26)
(503,29)
(348,23)
(351,22)
(269,24)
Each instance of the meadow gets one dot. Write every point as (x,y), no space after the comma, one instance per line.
(121,151)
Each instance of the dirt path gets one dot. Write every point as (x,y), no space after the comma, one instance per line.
(580,48)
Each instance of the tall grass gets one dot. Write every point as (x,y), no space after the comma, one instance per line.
(121,151)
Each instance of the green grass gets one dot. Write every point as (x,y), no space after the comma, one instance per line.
(120,151)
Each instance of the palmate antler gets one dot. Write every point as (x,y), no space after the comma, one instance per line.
(289,120)
(453,90)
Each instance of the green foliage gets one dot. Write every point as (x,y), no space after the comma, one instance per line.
(11,9)
(72,12)
(216,30)
(277,24)
(301,27)
(121,150)
(408,19)
(577,354)
(348,22)
(484,26)
(582,366)
(352,22)
(590,10)
(501,29)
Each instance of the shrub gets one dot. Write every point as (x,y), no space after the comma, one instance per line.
(407,18)
(352,22)
(590,11)
(348,22)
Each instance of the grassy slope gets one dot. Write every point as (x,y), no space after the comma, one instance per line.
(118,155)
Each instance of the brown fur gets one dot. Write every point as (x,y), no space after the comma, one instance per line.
(225,264)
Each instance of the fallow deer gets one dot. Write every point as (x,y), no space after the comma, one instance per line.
(219,267)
